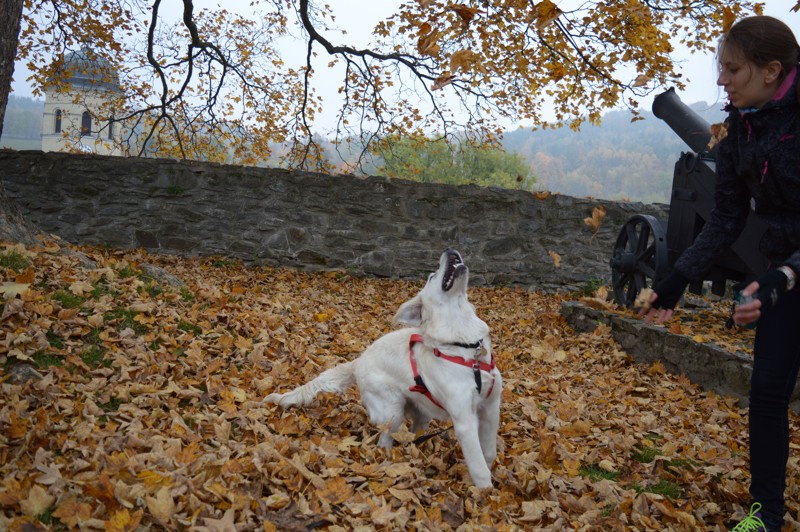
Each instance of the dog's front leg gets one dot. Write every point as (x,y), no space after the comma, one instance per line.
(466,427)
(489,420)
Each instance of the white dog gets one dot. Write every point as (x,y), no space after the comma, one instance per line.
(442,367)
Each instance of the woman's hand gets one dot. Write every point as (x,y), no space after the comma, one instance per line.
(747,313)
(660,314)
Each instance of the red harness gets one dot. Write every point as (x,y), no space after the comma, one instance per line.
(476,365)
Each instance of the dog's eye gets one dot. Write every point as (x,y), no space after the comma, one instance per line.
(431,276)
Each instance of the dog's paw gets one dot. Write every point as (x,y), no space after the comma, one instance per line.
(273,398)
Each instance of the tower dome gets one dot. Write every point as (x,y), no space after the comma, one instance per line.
(85,70)
(80,105)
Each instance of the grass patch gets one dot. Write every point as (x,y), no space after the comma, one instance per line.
(645,453)
(125,320)
(102,289)
(94,357)
(126,272)
(68,299)
(13,260)
(44,360)
(664,487)
(112,405)
(54,340)
(190,328)
(590,287)
(186,294)
(595,473)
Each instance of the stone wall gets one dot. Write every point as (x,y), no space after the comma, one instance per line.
(379,226)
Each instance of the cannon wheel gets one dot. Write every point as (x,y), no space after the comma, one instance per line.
(640,254)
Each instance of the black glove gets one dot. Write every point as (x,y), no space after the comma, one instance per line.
(670,290)
(770,287)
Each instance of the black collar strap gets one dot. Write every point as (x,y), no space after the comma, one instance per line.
(475,345)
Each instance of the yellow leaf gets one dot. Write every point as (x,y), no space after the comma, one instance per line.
(571,466)
(556,258)
(336,491)
(598,213)
(728,18)
(461,60)
(152,478)
(72,513)
(427,43)
(577,429)
(641,80)
(37,502)
(25,277)
(162,506)
(442,81)
(465,12)
(80,287)
(546,12)
(11,290)
(718,132)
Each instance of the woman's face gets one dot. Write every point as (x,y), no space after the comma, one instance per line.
(746,84)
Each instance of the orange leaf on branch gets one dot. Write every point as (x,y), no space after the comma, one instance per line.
(465,12)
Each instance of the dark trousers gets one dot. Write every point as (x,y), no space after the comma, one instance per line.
(777,359)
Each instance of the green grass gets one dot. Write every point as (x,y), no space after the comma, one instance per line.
(590,287)
(94,357)
(595,473)
(125,318)
(644,453)
(54,340)
(44,360)
(190,328)
(68,299)
(112,405)
(102,289)
(127,271)
(665,488)
(14,260)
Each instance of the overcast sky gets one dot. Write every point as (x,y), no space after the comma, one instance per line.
(359,17)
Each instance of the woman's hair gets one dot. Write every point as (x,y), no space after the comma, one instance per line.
(763,39)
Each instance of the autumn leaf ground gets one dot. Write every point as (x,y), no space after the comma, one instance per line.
(146,411)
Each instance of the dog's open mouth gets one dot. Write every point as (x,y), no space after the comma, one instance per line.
(455,268)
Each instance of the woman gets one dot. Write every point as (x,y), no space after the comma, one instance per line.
(759,160)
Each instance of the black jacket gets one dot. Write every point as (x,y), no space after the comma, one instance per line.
(758,160)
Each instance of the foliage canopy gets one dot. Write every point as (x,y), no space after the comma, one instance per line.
(433,67)
(456,164)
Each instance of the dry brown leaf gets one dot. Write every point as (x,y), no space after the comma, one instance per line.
(718,133)
(556,258)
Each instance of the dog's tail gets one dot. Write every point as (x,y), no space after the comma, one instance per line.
(336,379)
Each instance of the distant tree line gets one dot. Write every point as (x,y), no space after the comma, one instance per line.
(23,119)
(616,160)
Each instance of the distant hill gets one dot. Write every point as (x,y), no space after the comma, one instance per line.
(22,127)
(618,160)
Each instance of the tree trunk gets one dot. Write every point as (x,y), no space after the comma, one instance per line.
(10,19)
(12,226)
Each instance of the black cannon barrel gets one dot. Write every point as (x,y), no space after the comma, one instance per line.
(687,124)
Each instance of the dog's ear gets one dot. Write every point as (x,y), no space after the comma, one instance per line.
(410,312)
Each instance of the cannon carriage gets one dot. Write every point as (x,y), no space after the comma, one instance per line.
(647,248)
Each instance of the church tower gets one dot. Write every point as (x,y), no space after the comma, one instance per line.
(78,107)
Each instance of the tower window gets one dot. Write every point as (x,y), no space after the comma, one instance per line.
(111,129)
(58,120)
(86,124)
